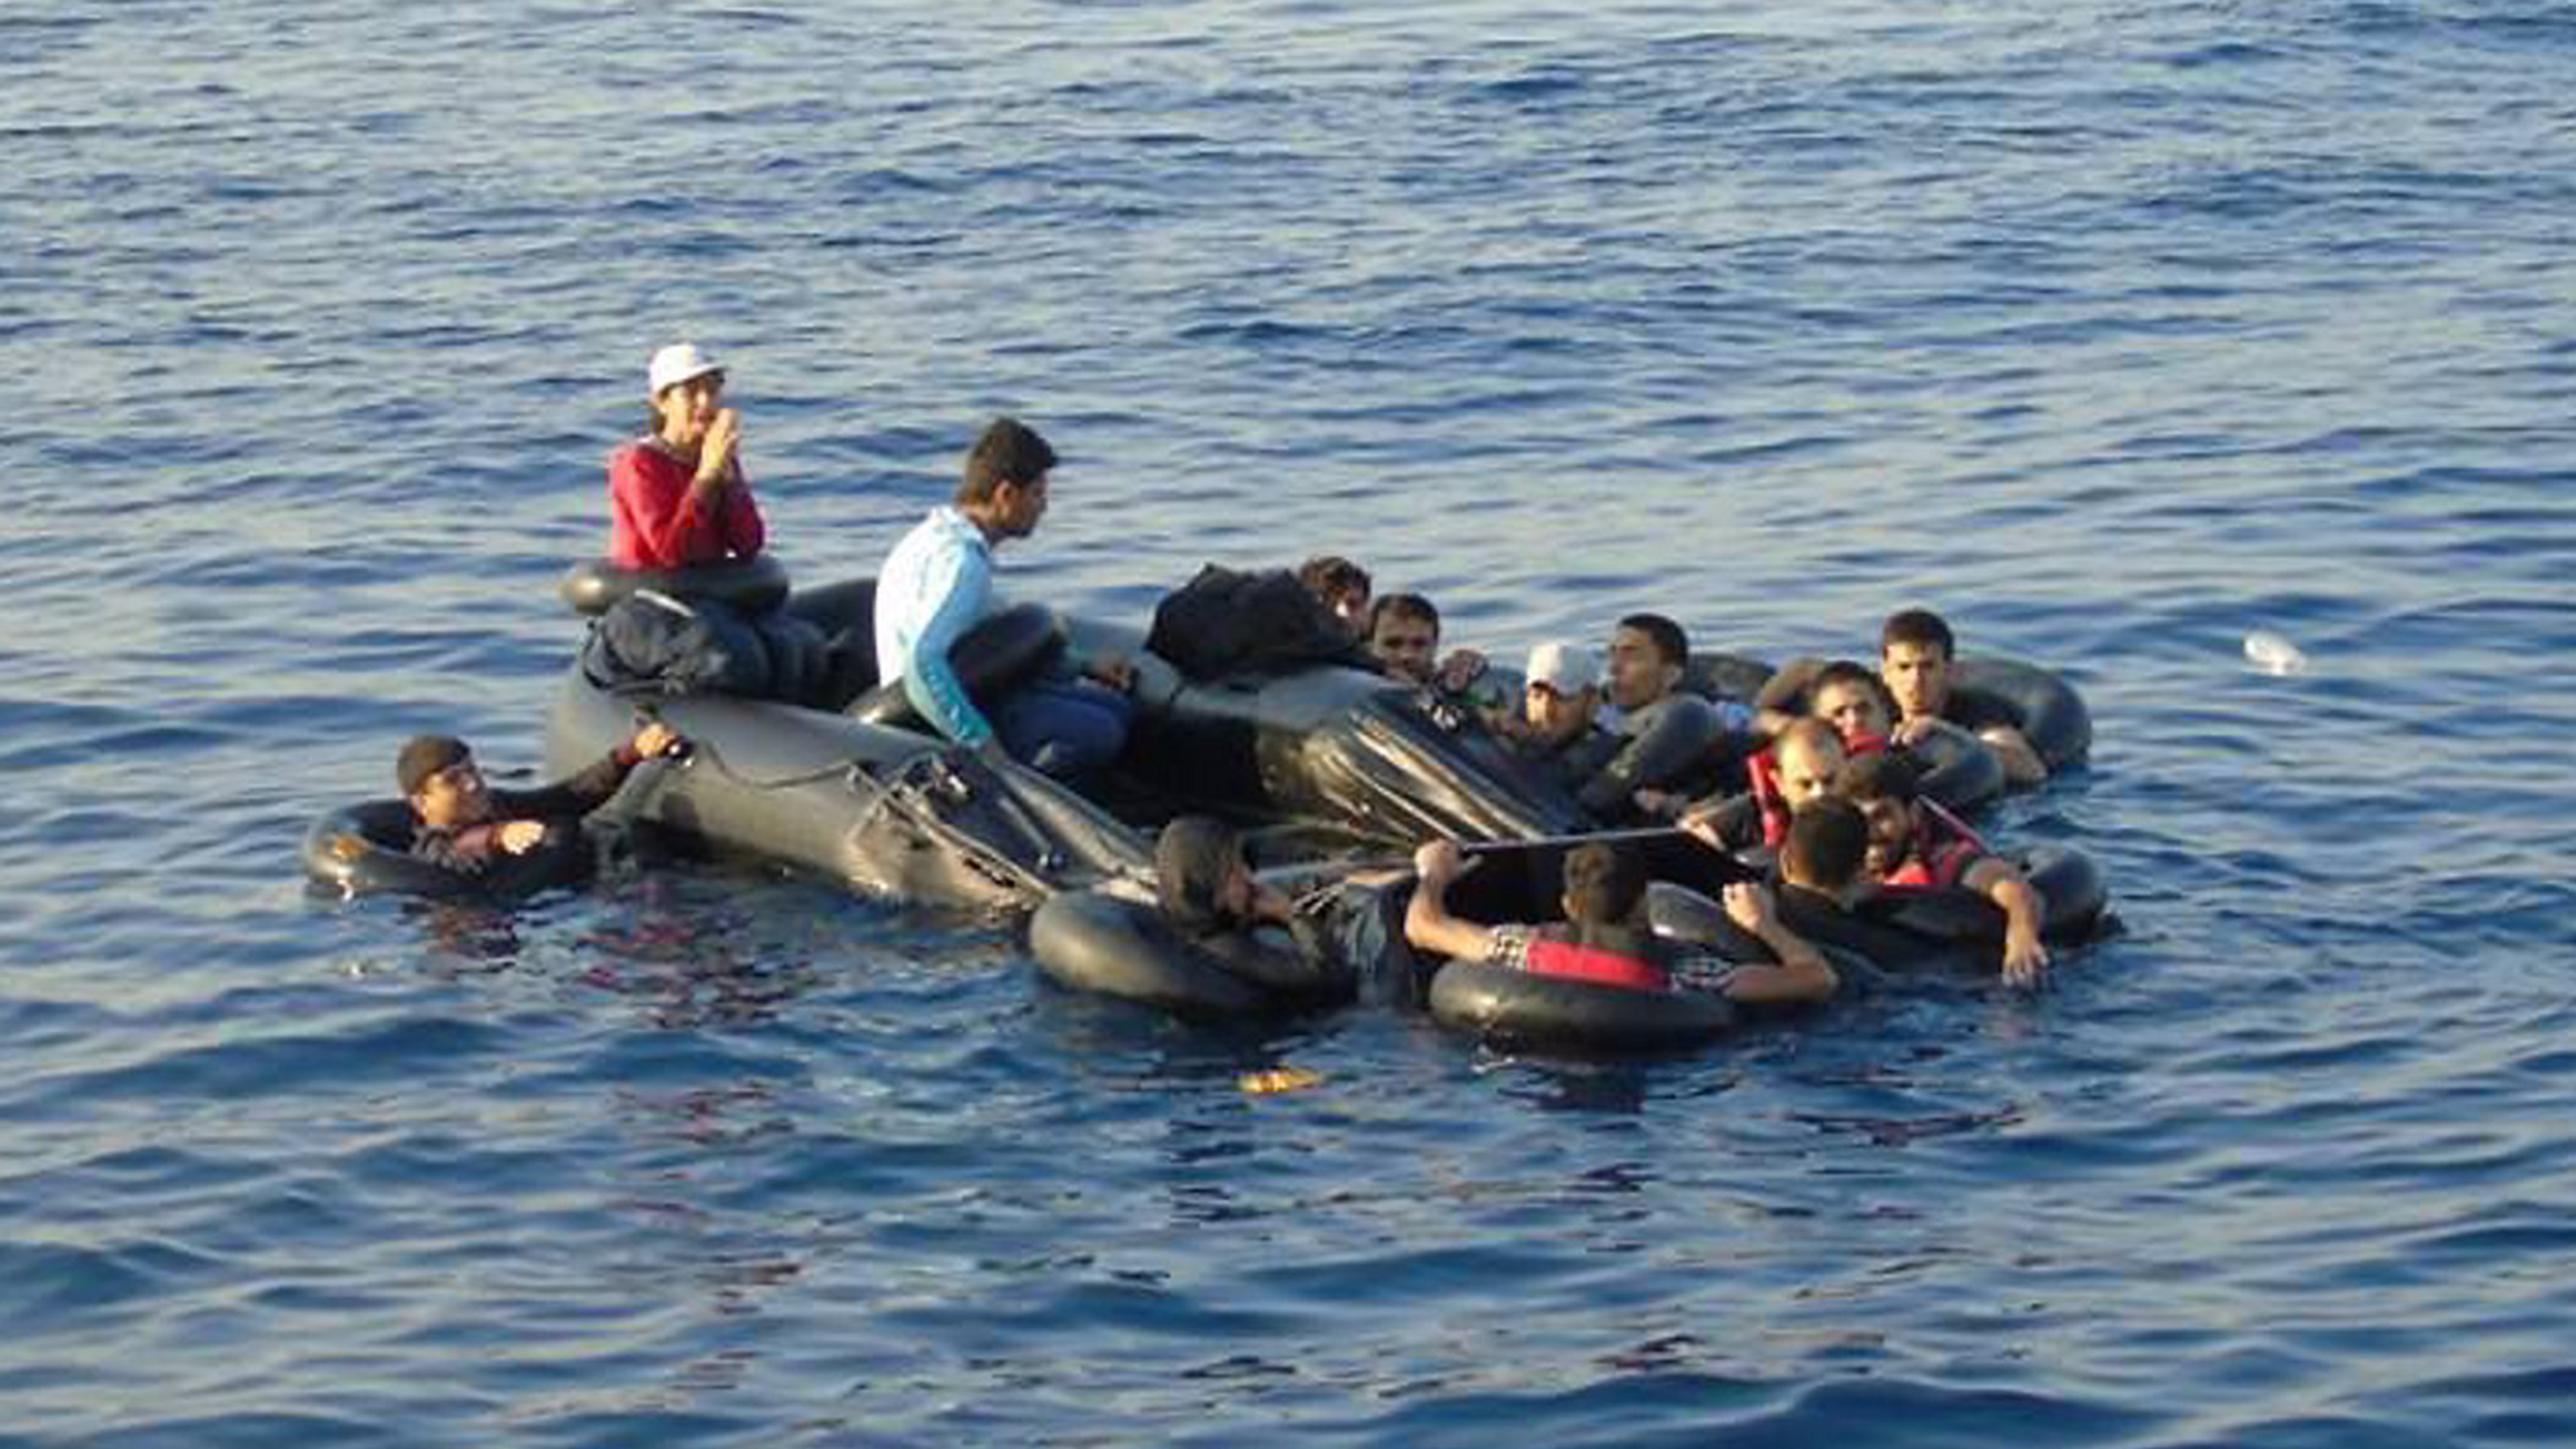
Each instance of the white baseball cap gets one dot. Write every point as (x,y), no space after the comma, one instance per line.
(676,364)
(1565,668)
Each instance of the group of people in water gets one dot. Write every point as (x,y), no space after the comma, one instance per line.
(1826,779)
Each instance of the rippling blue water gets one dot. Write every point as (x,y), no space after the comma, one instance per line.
(2115,331)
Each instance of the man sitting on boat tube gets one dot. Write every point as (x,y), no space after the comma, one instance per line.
(677,496)
(938,582)
(1604,938)
(465,825)
(1915,651)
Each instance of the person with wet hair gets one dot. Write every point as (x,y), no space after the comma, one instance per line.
(1329,942)
(1203,883)
(1843,692)
(1850,696)
(1404,636)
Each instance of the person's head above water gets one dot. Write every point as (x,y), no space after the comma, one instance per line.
(1562,692)
(1648,655)
(1806,759)
(1849,695)
(1200,877)
(1404,636)
(438,776)
(1341,586)
(1828,843)
(1915,648)
(1885,788)
(1603,884)
(1004,489)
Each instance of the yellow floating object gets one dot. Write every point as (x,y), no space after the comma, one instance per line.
(1282,1079)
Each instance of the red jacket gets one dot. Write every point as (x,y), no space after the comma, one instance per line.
(657,521)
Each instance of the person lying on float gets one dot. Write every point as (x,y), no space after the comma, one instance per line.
(1204,886)
(1604,937)
(938,582)
(1558,725)
(462,825)
(1914,844)
(1916,651)
(1404,638)
(1341,586)
(1798,767)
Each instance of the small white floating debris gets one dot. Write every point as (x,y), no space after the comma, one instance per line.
(2274,655)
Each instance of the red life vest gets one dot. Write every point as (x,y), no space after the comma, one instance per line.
(1763,769)
(1603,955)
(1944,848)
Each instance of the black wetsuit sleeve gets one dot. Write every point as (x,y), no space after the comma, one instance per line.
(570,798)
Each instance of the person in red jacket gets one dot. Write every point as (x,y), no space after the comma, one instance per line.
(677,496)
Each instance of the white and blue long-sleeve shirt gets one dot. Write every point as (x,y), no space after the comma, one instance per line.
(935,585)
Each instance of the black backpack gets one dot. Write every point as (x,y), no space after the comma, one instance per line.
(1226,621)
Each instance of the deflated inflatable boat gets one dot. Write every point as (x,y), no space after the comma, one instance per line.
(869,803)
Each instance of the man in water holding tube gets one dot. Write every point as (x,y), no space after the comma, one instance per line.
(464,825)
(1205,887)
(1403,636)
(1649,656)
(1604,937)
(1915,652)
(1916,845)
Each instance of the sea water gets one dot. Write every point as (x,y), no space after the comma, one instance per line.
(2114,332)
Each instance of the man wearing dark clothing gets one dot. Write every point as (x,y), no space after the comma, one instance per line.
(1341,937)
(465,826)
(1665,731)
